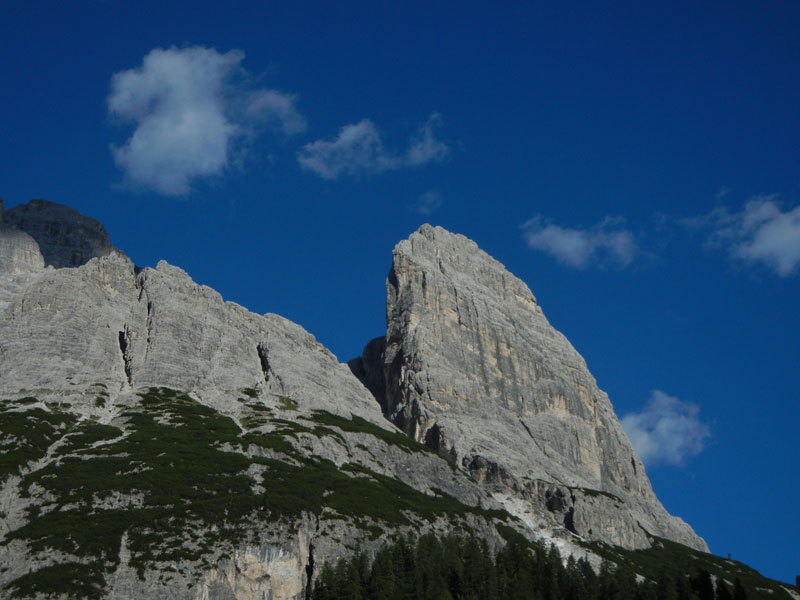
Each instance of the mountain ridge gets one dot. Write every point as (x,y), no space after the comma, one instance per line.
(100,357)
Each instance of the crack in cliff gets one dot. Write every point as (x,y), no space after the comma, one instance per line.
(125,347)
(458,309)
(144,295)
(138,282)
(149,322)
(263,359)
(266,366)
(310,564)
(528,429)
(535,441)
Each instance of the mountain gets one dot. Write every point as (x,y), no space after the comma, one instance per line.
(159,442)
(471,367)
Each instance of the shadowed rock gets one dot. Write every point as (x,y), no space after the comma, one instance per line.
(65,237)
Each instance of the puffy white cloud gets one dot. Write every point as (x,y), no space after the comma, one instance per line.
(428,202)
(358,150)
(188,111)
(666,431)
(579,247)
(761,233)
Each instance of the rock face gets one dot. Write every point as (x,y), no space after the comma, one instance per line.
(471,367)
(20,259)
(208,452)
(65,237)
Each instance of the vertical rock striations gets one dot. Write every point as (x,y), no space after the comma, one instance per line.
(471,367)
(19,252)
(21,261)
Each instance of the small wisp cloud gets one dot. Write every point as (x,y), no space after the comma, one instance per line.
(606,241)
(667,431)
(760,233)
(358,150)
(428,202)
(189,107)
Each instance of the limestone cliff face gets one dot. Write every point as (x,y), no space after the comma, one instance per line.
(21,260)
(471,367)
(106,321)
(19,252)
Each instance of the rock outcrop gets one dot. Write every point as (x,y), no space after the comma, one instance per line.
(20,259)
(471,367)
(65,237)
(19,252)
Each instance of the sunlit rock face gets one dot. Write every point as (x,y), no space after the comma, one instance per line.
(471,367)
(20,260)
(19,252)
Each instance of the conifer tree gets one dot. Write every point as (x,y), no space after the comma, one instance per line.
(739,592)
(723,593)
(703,585)
(667,589)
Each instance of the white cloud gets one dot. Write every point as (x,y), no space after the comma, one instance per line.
(188,112)
(424,147)
(761,233)
(666,431)
(429,202)
(579,247)
(279,108)
(723,191)
(358,150)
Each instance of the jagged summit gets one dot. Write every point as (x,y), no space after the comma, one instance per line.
(470,366)
(65,237)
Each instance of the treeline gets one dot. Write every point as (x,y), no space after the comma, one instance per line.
(463,568)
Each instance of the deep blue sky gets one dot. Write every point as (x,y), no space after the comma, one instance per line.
(651,148)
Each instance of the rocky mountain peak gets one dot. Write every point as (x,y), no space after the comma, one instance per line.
(65,237)
(471,367)
(438,251)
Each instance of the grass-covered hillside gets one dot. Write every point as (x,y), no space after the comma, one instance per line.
(168,486)
(177,483)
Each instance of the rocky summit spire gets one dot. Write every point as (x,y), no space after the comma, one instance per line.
(471,367)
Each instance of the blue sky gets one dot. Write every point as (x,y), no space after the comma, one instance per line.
(636,164)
